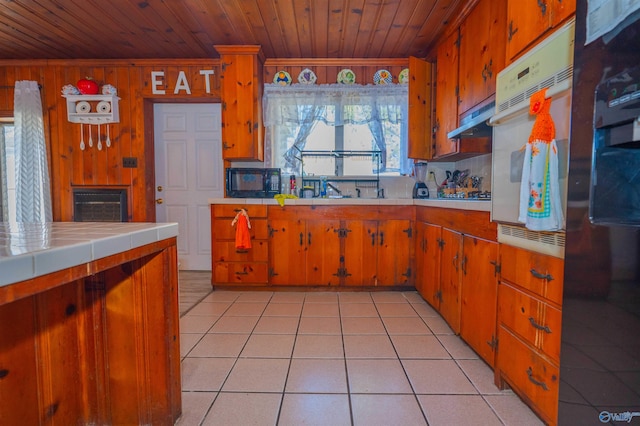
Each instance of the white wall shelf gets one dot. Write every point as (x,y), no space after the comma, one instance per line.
(92,109)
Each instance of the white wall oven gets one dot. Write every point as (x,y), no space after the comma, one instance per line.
(548,65)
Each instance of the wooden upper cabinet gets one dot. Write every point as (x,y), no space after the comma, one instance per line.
(482,52)
(420,109)
(527,21)
(562,9)
(241,92)
(446,95)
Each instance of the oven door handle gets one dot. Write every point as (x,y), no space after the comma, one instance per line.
(522,107)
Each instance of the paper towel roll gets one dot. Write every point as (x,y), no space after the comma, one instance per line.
(83,107)
(103,107)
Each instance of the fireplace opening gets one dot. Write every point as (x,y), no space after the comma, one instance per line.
(100,205)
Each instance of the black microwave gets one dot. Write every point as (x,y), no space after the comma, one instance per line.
(252,182)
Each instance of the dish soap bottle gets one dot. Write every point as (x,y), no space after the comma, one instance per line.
(323,187)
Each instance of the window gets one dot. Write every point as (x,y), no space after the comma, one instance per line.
(336,117)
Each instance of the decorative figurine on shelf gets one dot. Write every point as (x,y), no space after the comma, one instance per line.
(108,89)
(70,89)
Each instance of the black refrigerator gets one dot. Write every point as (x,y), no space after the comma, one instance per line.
(600,355)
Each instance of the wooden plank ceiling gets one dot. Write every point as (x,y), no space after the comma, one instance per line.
(120,29)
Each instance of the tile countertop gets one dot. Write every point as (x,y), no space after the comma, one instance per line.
(29,250)
(461,204)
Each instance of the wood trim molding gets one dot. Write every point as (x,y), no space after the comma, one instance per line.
(335,62)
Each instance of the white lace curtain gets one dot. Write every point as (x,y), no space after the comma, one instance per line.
(303,105)
(33,192)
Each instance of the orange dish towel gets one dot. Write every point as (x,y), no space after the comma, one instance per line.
(242,224)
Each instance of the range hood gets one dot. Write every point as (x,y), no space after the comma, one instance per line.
(474,124)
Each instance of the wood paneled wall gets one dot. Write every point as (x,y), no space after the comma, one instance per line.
(327,70)
(132,137)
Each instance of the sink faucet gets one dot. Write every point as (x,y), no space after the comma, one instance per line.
(334,188)
(381,193)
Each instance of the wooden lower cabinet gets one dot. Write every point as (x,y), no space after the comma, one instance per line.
(304,252)
(338,246)
(531,375)
(532,319)
(395,253)
(378,253)
(428,262)
(450,285)
(239,266)
(479,296)
(456,273)
(529,328)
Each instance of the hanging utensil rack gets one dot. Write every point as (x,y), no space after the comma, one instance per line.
(93,110)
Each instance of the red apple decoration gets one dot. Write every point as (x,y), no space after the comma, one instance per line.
(87,86)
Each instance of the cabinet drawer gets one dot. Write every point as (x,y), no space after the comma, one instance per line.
(222,229)
(230,210)
(225,251)
(534,321)
(538,273)
(240,273)
(530,375)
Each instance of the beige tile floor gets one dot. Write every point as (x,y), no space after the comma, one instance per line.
(330,358)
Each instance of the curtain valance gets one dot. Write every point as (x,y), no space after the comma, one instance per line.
(282,104)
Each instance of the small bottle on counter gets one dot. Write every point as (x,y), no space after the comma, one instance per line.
(292,184)
(323,187)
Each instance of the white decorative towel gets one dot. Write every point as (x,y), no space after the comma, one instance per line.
(540,204)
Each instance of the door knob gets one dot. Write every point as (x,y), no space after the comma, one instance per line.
(159,201)
(160,188)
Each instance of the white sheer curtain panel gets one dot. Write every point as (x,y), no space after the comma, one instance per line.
(33,192)
(4,183)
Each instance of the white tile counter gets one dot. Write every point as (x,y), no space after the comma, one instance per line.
(29,250)
(461,204)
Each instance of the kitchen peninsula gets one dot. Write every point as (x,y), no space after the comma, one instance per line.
(89,323)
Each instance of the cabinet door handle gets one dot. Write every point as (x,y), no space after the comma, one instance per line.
(309,238)
(544,328)
(242,273)
(301,238)
(382,238)
(543,7)
(534,381)
(512,31)
(537,274)
(455,261)
(464,265)
(373,239)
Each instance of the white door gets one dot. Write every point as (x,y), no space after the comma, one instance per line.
(189,171)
